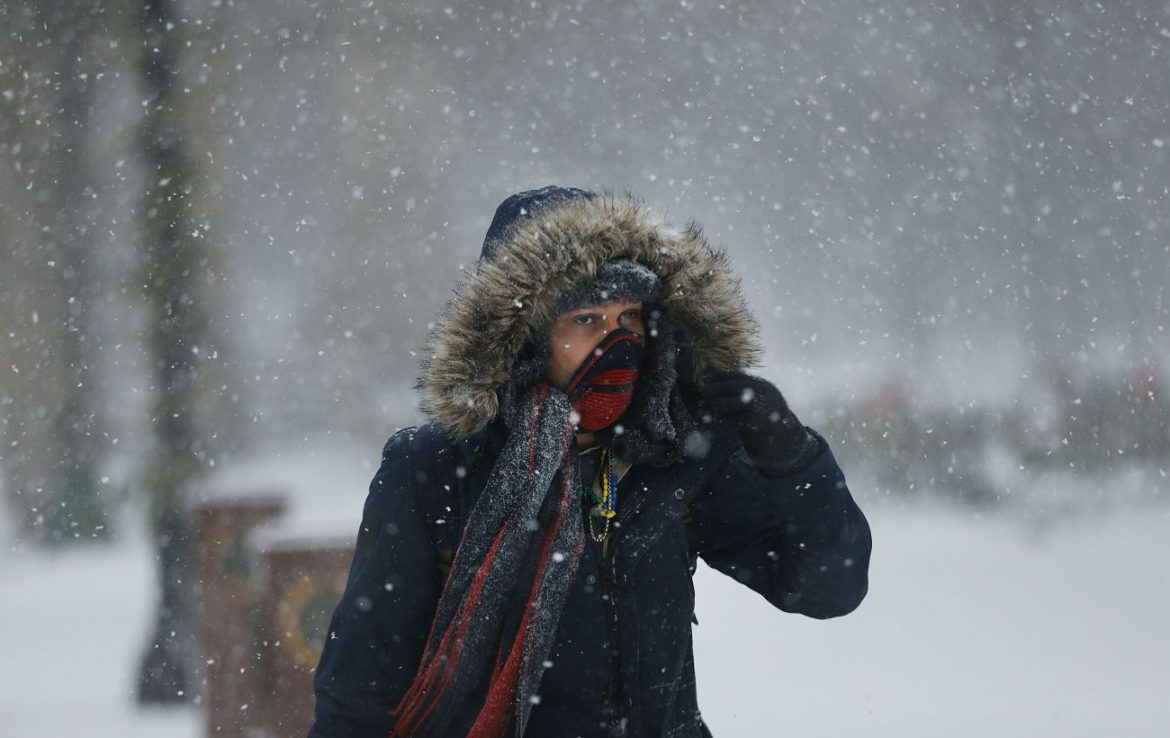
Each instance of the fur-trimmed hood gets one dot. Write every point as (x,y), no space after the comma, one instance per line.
(511,298)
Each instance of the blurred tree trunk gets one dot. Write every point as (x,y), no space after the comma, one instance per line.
(51,417)
(75,508)
(27,346)
(174,263)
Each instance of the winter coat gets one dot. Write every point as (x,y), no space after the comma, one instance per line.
(622,659)
(800,541)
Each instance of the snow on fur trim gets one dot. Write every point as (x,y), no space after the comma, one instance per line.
(512,297)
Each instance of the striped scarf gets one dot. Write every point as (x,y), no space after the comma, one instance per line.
(499,610)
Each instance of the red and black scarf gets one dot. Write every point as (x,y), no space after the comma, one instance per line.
(499,610)
(493,626)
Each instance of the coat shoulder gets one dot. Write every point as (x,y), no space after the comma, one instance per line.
(416,442)
(408,477)
(428,463)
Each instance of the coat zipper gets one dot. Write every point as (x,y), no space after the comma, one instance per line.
(609,574)
(616,695)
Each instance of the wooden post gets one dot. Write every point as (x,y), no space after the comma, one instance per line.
(305,580)
(229,608)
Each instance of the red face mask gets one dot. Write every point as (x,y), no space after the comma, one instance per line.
(603,386)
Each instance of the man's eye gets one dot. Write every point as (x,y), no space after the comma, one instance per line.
(633,314)
(583,319)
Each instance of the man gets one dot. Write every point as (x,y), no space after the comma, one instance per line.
(524,561)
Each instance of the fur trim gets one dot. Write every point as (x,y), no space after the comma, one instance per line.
(512,297)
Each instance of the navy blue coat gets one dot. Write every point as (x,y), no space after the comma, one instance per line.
(622,662)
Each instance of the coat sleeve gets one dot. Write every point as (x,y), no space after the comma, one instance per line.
(379,629)
(799,540)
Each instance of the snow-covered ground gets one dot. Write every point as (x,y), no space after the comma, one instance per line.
(973,627)
(72,626)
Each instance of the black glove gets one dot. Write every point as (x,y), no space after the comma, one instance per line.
(754,409)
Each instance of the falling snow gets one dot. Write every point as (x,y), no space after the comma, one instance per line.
(951,221)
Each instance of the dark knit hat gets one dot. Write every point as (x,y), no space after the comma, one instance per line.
(615,280)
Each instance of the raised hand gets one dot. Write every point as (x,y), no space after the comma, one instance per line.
(756,411)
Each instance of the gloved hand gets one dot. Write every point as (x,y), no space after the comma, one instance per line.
(754,409)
